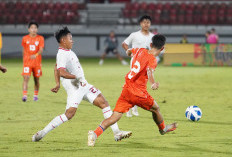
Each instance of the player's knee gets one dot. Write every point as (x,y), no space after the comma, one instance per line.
(155,108)
(101,102)
(70,113)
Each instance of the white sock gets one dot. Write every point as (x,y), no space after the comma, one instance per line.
(107,113)
(55,123)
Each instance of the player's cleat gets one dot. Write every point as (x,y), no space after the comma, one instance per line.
(121,135)
(128,114)
(124,62)
(135,111)
(101,62)
(35,98)
(38,136)
(24,99)
(168,128)
(91,138)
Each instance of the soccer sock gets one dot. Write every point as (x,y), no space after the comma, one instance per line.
(24,93)
(55,123)
(36,92)
(107,113)
(161,125)
(99,130)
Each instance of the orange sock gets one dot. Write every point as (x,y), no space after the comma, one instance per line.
(24,93)
(36,92)
(99,130)
(161,126)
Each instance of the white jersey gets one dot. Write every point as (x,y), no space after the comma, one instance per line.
(139,40)
(67,59)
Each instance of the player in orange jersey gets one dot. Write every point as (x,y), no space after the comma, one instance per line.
(33,45)
(135,89)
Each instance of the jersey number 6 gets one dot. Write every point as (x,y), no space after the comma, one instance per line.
(135,69)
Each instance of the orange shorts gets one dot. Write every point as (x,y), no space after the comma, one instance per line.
(128,100)
(37,71)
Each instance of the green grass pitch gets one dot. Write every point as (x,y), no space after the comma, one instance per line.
(208,87)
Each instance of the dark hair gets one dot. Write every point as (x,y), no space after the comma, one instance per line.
(61,33)
(158,41)
(213,29)
(33,23)
(144,17)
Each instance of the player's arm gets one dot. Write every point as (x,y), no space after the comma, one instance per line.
(129,52)
(38,53)
(3,69)
(63,73)
(57,79)
(125,46)
(150,74)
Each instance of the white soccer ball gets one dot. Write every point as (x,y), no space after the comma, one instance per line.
(193,113)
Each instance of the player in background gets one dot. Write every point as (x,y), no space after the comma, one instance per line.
(69,70)
(3,69)
(135,89)
(33,45)
(111,45)
(139,39)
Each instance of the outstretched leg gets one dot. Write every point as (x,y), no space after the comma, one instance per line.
(158,119)
(55,123)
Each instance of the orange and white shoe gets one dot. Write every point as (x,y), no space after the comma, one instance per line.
(168,128)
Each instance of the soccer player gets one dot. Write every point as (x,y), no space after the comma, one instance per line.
(71,74)
(135,89)
(3,69)
(33,45)
(111,44)
(139,39)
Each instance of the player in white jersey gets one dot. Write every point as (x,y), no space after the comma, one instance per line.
(139,39)
(68,70)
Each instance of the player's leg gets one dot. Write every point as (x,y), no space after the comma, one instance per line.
(95,97)
(115,51)
(36,88)
(26,77)
(121,107)
(25,87)
(103,56)
(37,73)
(158,119)
(73,100)
(93,135)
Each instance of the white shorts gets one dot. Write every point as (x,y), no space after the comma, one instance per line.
(77,94)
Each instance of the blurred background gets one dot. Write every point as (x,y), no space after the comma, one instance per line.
(187,24)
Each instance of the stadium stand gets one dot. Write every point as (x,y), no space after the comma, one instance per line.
(179,13)
(22,12)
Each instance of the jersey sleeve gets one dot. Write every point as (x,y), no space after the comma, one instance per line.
(152,63)
(41,43)
(129,39)
(61,61)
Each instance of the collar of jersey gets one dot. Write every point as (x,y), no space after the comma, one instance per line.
(63,49)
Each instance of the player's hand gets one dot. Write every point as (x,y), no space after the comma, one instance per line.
(155,86)
(3,69)
(33,56)
(55,89)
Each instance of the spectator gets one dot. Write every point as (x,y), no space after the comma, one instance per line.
(184,39)
(207,36)
(213,37)
(155,31)
(111,44)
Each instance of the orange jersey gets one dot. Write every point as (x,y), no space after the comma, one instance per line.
(136,79)
(31,46)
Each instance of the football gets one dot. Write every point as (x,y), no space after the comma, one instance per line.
(193,113)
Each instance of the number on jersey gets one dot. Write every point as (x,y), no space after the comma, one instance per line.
(134,70)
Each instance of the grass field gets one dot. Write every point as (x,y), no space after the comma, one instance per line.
(180,87)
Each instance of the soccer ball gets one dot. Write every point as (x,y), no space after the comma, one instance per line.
(193,113)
